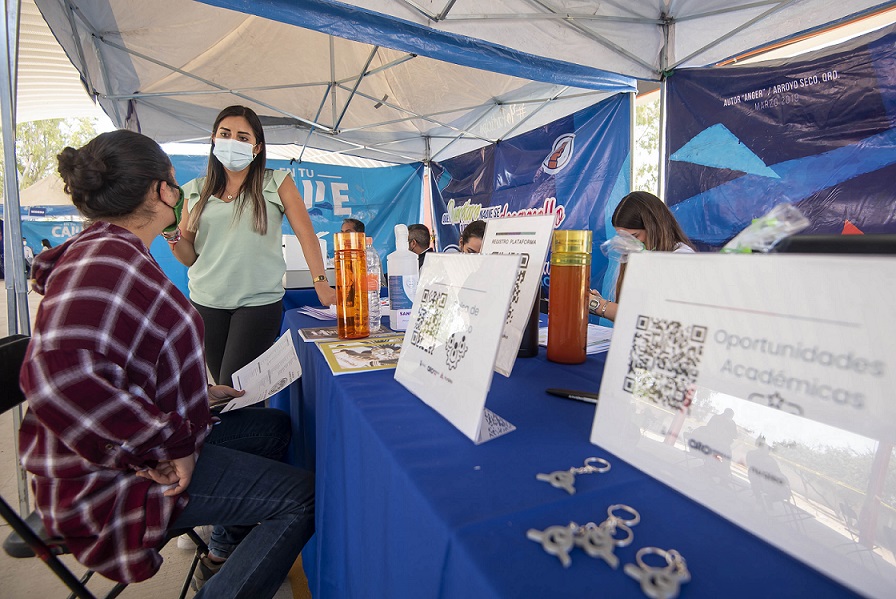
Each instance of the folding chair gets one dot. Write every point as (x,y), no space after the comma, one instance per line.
(29,537)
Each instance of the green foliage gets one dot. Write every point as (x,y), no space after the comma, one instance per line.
(38,143)
(647,145)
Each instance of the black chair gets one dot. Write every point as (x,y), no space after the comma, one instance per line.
(29,537)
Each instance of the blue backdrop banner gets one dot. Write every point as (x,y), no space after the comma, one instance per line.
(576,168)
(817,133)
(379,197)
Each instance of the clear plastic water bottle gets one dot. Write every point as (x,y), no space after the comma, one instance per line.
(374,276)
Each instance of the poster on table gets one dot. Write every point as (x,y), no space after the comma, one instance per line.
(576,168)
(449,349)
(815,131)
(528,237)
(757,387)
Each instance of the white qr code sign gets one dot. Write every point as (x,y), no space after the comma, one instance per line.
(449,349)
(733,379)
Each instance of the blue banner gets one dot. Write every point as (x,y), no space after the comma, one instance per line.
(816,133)
(379,197)
(54,231)
(576,168)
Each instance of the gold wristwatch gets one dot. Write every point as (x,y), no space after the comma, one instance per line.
(320,278)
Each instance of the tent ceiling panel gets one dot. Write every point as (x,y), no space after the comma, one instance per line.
(400,80)
(48,86)
(620,36)
(328,92)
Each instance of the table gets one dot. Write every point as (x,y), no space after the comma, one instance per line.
(407,506)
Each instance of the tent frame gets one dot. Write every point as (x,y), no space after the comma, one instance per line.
(19,320)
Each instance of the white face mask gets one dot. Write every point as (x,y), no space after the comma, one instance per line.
(234,155)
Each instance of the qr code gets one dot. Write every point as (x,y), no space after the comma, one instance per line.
(664,361)
(429,320)
(517,284)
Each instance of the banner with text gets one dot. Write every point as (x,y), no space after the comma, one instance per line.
(816,132)
(379,197)
(576,168)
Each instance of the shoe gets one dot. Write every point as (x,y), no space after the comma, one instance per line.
(204,570)
(186,543)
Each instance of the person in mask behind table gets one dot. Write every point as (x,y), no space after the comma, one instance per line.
(645,217)
(230,239)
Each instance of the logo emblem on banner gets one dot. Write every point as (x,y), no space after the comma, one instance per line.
(561,152)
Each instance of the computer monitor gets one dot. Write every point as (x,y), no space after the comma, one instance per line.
(878,243)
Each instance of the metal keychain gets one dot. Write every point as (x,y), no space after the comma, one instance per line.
(597,542)
(556,540)
(565,479)
(659,582)
(614,523)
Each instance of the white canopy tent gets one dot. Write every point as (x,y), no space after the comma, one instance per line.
(312,89)
(394,80)
(401,80)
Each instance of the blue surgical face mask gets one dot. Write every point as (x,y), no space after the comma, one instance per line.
(234,155)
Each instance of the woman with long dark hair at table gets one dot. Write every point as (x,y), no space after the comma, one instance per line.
(231,241)
(646,218)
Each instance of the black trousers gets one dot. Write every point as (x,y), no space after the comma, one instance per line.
(233,338)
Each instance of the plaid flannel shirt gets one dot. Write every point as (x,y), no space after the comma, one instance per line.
(115,380)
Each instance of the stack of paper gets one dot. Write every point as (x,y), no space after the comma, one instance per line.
(598,338)
(319,313)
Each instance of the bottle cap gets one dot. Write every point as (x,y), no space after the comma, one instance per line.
(349,241)
(576,242)
(369,241)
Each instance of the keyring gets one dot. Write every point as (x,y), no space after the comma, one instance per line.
(588,468)
(612,526)
(671,562)
(556,540)
(565,479)
(636,517)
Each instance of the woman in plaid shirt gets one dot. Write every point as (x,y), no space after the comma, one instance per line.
(118,400)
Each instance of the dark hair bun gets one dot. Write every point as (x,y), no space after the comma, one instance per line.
(81,170)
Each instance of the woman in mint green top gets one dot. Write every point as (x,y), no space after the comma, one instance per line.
(230,238)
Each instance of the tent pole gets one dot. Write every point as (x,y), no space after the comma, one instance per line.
(632,123)
(17,298)
(661,167)
(668,24)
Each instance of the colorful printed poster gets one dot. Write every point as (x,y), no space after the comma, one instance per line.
(361,355)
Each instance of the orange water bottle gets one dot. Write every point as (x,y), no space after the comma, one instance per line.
(351,285)
(568,296)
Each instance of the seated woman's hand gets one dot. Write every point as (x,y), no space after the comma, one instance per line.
(221,394)
(178,471)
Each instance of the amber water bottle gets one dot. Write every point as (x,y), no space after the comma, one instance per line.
(350,258)
(568,296)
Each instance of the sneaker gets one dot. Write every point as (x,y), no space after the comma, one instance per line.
(205,569)
(186,543)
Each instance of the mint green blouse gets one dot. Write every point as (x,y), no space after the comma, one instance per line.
(235,266)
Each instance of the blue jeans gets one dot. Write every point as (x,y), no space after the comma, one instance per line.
(260,431)
(272,500)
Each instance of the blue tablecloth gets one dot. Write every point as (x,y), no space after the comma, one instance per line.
(407,506)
